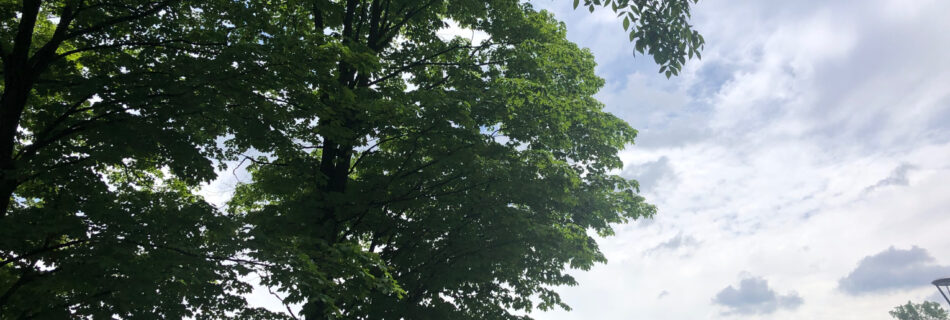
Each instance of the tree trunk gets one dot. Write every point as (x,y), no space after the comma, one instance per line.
(18,81)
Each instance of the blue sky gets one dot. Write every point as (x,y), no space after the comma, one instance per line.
(801,169)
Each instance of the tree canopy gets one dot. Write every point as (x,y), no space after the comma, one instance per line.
(928,310)
(396,172)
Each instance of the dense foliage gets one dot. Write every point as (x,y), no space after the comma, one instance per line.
(928,310)
(106,129)
(402,174)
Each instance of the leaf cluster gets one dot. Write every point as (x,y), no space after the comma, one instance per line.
(659,28)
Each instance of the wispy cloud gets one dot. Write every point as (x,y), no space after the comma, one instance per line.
(676,242)
(898,177)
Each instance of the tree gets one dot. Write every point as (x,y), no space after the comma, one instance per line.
(927,310)
(488,163)
(107,127)
(423,177)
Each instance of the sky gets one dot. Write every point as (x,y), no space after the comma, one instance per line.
(801,169)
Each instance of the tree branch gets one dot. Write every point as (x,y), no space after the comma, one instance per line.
(24,36)
(286,306)
(112,22)
(45,54)
(42,250)
(394,30)
(412,65)
(143,43)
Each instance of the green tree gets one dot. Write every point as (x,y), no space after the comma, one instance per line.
(422,177)
(405,175)
(107,127)
(919,311)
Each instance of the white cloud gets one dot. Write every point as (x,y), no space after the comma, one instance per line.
(811,135)
(754,296)
(893,269)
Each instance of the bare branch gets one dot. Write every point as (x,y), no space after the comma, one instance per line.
(286,306)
